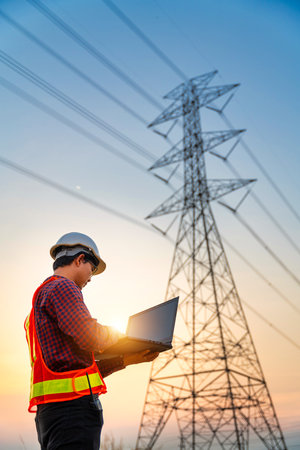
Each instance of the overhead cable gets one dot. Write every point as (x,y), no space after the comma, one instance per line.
(264,172)
(31,1)
(35,102)
(265,246)
(57,186)
(71,66)
(63,26)
(144,38)
(270,324)
(183,34)
(266,210)
(70,103)
(69,123)
(77,107)
(268,282)
(19,68)
(164,58)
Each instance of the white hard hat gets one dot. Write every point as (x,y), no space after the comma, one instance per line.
(72,243)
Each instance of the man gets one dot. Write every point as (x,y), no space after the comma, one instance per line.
(62,337)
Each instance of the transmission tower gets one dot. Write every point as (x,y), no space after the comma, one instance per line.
(211,381)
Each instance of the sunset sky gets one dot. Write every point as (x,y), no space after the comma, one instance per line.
(253,43)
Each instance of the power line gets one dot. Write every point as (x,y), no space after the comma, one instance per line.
(73,68)
(56,115)
(266,210)
(69,123)
(70,103)
(246,147)
(182,33)
(264,172)
(264,245)
(271,325)
(88,115)
(94,119)
(28,0)
(88,79)
(65,99)
(144,38)
(271,285)
(59,187)
(204,57)
(63,26)
(92,50)
(191,42)
(165,59)
(19,68)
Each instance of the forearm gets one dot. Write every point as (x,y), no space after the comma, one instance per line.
(139,357)
(109,366)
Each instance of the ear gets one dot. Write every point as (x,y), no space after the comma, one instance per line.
(79,260)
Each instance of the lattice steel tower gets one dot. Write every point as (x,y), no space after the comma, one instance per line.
(212,379)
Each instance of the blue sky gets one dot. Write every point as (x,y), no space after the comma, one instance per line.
(253,43)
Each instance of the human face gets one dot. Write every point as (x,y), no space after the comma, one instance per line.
(84,272)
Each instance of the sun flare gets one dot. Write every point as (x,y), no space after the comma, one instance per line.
(119,324)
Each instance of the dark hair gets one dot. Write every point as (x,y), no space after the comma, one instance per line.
(67,260)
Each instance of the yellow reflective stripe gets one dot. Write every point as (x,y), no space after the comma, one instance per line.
(64,385)
(28,337)
(31,385)
(28,341)
(27,330)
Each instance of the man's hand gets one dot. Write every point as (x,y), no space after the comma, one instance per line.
(136,358)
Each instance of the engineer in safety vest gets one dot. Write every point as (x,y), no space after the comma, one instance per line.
(62,337)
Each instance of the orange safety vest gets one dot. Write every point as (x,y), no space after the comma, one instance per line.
(49,386)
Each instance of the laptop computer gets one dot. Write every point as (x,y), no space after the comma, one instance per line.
(151,329)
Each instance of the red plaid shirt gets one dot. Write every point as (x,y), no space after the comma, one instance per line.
(66,331)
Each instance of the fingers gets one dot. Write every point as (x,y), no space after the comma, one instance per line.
(140,357)
(150,356)
(149,352)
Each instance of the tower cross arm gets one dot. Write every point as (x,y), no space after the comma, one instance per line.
(219,188)
(173,155)
(201,80)
(212,190)
(207,95)
(171,205)
(172,112)
(207,141)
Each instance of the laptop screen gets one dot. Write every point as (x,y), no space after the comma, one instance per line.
(154,324)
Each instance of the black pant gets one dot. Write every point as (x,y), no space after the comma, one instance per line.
(71,425)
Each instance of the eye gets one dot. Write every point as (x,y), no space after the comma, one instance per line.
(93,268)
